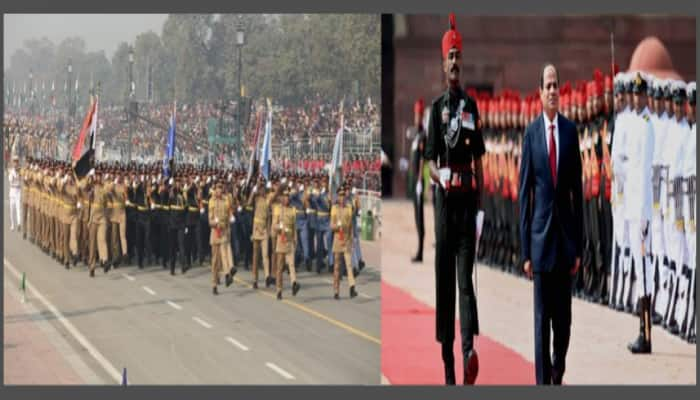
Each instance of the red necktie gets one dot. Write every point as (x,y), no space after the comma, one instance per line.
(552,154)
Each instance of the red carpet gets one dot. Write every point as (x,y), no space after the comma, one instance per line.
(411,356)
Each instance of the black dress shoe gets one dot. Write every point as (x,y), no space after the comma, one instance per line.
(640,346)
(229,280)
(417,259)
(355,272)
(215,290)
(268,281)
(471,368)
(336,296)
(105,267)
(233,272)
(353,292)
(67,265)
(295,288)
(255,285)
(673,327)
(279,295)
(361,264)
(92,273)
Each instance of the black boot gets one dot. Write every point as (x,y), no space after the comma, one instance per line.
(417,259)
(295,288)
(229,279)
(268,281)
(92,273)
(353,292)
(215,291)
(643,343)
(255,285)
(448,360)
(279,295)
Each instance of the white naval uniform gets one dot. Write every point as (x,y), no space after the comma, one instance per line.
(620,269)
(687,270)
(15,199)
(678,136)
(638,198)
(690,169)
(658,243)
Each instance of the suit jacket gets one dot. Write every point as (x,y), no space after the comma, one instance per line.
(551,216)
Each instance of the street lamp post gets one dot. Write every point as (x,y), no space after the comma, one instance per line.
(240,41)
(130,94)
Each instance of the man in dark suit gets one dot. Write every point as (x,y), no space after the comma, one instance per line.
(551,225)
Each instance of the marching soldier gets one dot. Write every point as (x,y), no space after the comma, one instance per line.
(323,233)
(194,247)
(176,226)
(97,225)
(261,200)
(341,225)
(690,172)
(284,225)
(453,149)
(219,217)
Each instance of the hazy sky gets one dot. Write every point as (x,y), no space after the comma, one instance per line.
(100,31)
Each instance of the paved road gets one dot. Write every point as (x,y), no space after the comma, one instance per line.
(599,335)
(172,330)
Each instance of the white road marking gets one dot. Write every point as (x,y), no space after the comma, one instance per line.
(174,305)
(149,290)
(285,374)
(129,277)
(236,343)
(109,368)
(202,322)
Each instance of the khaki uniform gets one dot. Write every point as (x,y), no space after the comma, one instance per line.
(341,224)
(98,226)
(285,226)
(83,218)
(117,220)
(275,210)
(261,233)
(220,237)
(70,191)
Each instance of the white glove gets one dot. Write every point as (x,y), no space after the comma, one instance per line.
(232,219)
(79,205)
(323,190)
(444,176)
(142,178)
(134,185)
(268,185)
(116,180)
(208,179)
(353,190)
(170,182)
(153,206)
(216,220)
(419,187)
(283,181)
(201,210)
(239,208)
(301,188)
(255,189)
(186,230)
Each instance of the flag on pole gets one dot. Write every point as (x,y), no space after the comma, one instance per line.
(253,154)
(168,163)
(335,173)
(84,149)
(265,151)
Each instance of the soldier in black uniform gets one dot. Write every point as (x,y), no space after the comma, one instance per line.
(417,149)
(194,245)
(453,149)
(176,227)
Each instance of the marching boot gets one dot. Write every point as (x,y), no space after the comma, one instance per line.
(448,361)
(295,288)
(229,279)
(471,367)
(643,343)
(268,281)
(255,285)
(353,292)
(215,291)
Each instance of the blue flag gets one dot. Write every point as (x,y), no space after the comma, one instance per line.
(170,149)
(335,173)
(265,150)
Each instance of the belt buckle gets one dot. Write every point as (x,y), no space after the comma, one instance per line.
(456,179)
